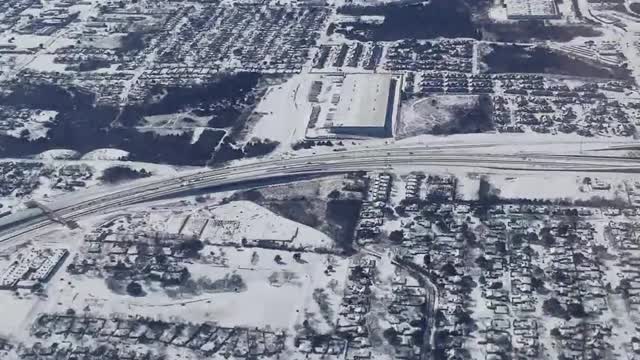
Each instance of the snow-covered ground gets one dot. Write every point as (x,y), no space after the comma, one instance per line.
(419,116)
(35,124)
(278,284)
(58,154)
(284,112)
(234,222)
(106,154)
(527,185)
(54,160)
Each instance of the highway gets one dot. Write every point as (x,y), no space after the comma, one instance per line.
(98,202)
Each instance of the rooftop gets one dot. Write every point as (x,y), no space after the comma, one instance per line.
(531,8)
(363,101)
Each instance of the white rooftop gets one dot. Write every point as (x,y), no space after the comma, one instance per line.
(532,8)
(363,101)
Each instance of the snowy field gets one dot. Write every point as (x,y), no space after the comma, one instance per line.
(530,185)
(419,116)
(284,112)
(276,283)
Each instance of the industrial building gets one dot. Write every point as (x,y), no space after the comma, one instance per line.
(31,268)
(532,9)
(365,107)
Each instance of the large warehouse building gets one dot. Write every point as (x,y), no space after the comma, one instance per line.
(532,9)
(366,105)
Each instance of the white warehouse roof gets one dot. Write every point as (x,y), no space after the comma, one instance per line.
(531,8)
(363,101)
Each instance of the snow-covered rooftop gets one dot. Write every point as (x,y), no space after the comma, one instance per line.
(531,8)
(363,101)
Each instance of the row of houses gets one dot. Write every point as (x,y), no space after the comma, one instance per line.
(205,339)
(371,216)
(103,351)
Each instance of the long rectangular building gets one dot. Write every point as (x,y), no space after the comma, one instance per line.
(365,106)
(532,9)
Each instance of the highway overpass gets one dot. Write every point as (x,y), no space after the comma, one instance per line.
(90,202)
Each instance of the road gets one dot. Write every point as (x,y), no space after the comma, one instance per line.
(96,202)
